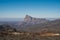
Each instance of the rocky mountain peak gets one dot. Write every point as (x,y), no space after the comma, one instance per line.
(31,20)
(27,18)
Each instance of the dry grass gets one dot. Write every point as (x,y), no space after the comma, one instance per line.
(29,36)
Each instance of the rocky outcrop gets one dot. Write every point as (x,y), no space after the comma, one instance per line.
(29,19)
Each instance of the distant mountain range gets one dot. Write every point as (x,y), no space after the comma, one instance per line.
(10,19)
(32,24)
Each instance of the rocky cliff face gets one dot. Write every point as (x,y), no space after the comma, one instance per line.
(28,19)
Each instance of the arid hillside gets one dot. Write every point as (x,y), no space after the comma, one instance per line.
(53,26)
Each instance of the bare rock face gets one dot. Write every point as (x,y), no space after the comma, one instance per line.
(28,18)
(32,20)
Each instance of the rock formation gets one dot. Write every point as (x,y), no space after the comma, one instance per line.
(29,19)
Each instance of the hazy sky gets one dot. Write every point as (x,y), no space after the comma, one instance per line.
(35,8)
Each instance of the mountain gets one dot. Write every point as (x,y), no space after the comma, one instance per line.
(32,24)
(53,26)
(46,31)
(28,19)
(30,29)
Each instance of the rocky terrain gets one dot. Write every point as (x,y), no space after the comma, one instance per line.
(28,19)
(30,29)
(8,33)
(53,26)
